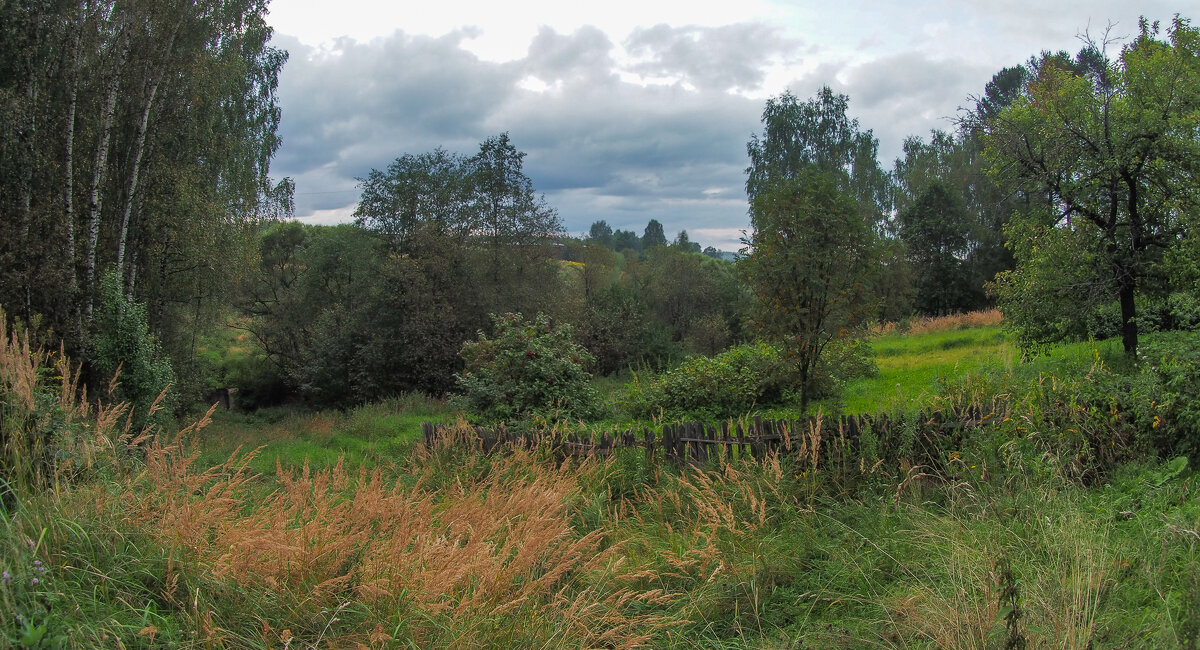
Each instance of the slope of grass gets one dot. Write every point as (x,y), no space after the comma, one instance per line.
(367,435)
(911,365)
(1017,538)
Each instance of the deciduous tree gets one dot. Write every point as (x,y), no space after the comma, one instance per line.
(811,265)
(1115,146)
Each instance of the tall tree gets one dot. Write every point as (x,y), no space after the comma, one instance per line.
(935,229)
(1116,151)
(810,268)
(431,190)
(601,233)
(509,211)
(818,132)
(653,235)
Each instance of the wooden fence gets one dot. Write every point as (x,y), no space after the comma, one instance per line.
(920,437)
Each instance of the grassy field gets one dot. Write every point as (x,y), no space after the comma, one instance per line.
(364,436)
(1050,528)
(911,365)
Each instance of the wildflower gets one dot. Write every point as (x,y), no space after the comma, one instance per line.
(37,563)
(4,577)
(34,581)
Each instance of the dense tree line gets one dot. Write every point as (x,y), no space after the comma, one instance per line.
(138,213)
(137,141)
(443,242)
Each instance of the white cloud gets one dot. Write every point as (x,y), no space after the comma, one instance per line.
(636,109)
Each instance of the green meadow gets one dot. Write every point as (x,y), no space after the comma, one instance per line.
(1057,526)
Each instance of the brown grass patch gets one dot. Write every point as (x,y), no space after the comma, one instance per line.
(493,555)
(925,324)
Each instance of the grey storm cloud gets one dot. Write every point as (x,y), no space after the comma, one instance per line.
(901,95)
(599,145)
(584,55)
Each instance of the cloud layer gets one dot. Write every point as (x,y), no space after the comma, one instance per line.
(653,125)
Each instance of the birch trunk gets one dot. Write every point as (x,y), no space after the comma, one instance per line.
(68,196)
(99,174)
(139,153)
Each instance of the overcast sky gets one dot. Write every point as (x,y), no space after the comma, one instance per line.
(632,110)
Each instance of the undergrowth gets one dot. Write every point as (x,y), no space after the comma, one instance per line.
(1068,517)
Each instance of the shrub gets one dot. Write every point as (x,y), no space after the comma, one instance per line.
(38,412)
(729,384)
(124,346)
(528,369)
(1173,360)
(741,379)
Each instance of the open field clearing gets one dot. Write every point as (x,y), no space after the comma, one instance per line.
(365,538)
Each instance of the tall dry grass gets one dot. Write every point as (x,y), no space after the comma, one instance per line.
(495,557)
(926,324)
(47,428)
(1064,564)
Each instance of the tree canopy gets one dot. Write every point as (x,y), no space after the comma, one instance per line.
(1114,145)
(810,267)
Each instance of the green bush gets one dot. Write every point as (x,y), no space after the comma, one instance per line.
(123,341)
(1173,360)
(741,379)
(727,385)
(528,369)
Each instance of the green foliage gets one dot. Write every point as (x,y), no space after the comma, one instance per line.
(740,380)
(616,330)
(623,240)
(1053,294)
(951,214)
(799,136)
(526,369)
(1173,361)
(699,299)
(183,95)
(811,267)
(1112,144)
(355,313)
(935,229)
(653,235)
(346,321)
(601,233)
(730,384)
(124,347)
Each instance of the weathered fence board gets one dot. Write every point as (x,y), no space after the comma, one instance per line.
(837,440)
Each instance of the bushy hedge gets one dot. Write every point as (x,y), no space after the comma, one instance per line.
(741,379)
(526,369)
(728,384)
